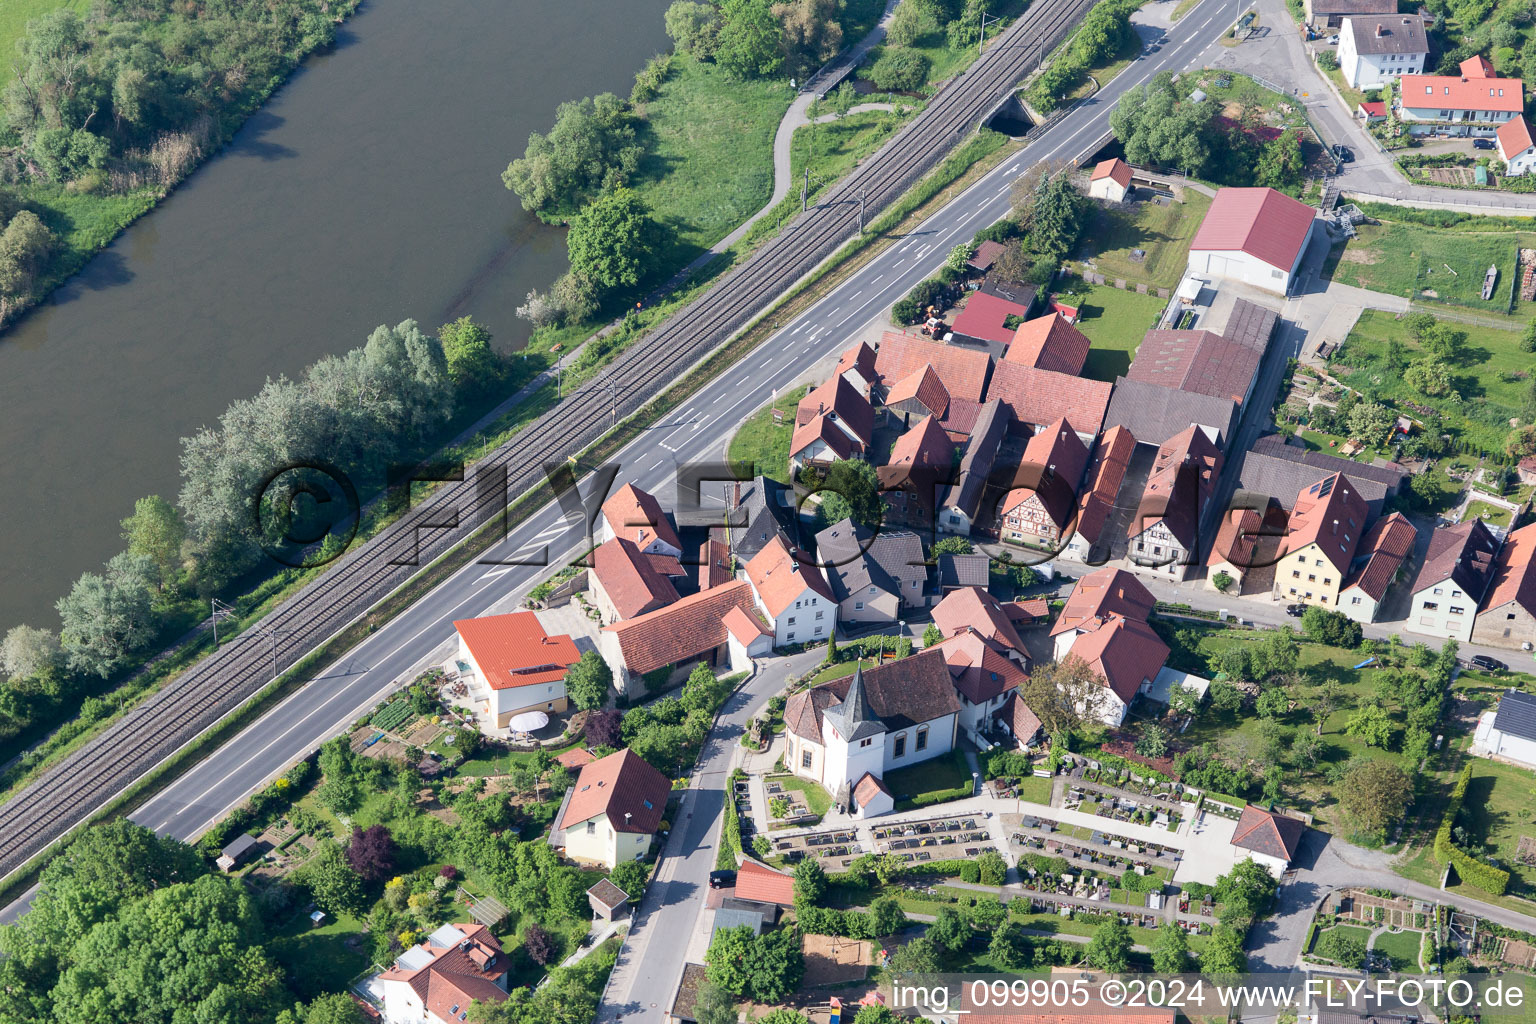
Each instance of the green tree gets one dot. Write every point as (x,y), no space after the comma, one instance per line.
(591,149)
(27,652)
(886,916)
(1528,337)
(609,240)
(1431,377)
(986,913)
(587,681)
(913,22)
(952,546)
(917,956)
(1371,724)
(751,40)
(855,483)
(693,27)
(107,618)
(950,929)
(1224,953)
(340,788)
(1184,700)
(782,1015)
(337,889)
(1057,218)
(1110,948)
(899,69)
(932,634)
(1153,741)
(1243,893)
(1170,951)
(993,869)
(1156,127)
(1325,701)
(1372,422)
(156,532)
(25,246)
(1273,702)
(1281,164)
(876,1014)
(1226,697)
(1374,796)
(467,351)
(810,882)
(330,1008)
(1222,580)
(1306,748)
(764,968)
(1342,947)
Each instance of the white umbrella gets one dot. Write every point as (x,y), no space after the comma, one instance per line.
(529,721)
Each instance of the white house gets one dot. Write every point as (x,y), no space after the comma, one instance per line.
(510,665)
(1378,562)
(612,810)
(637,517)
(434,982)
(1270,838)
(1376,50)
(793,595)
(1516,146)
(1254,235)
(867,724)
(1110,180)
(1509,730)
(1475,102)
(1452,580)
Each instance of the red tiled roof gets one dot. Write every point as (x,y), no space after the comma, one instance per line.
(513,650)
(861,358)
(986,254)
(1182,479)
(1052,468)
(1125,652)
(629,579)
(1098,499)
(1050,343)
(1266,832)
(926,444)
(1477,66)
(823,428)
(760,883)
(622,786)
(1197,361)
(1374,108)
(1027,610)
(971,608)
(634,514)
(981,669)
(745,628)
(1463,554)
(838,396)
(1387,544)
(963,370)
(867,788)
(1514,571)
(1114,168)
(575,757)
(1514,138)
(1021,719)
(780,579)
(1236,537)
(923,385)
(1261,222)
(684,629)
(1043,396)
(984,315)
(1106,591)
(714,564)
(1330,513)
(961,419)
(1437,92)
(457,974)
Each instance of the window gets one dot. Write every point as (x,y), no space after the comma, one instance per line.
(865,743)
(805,759)
(1295,574)
(1327,582)
(858,605)
(1430,606)
(873,589)
(1277,274)
(1457,609)
(648,805)
(818,631)
(901,746)
(820,614)
(1157,550)
(922,738)
(1439,591)
(1509,617)
(791,620)
(1455,593)
(797,604)
(915,584)
(1293,590)
(1311,577)
(1354,600)
(591,828)
(1319,563)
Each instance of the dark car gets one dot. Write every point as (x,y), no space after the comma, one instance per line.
(1344,155)
(1488,664)
(722,879)
(1297,610)
(1482,143)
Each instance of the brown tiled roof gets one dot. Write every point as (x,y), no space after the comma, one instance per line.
(745,627)
(513,649)
(980,454)
(842,400)
(981,669)
(986,254)
(802,713)
(1266,832)
(972,608)
(1021,719)
(925,444)
(687,628)
(1049,343)
(608,894)
(823,428)
(666,565)
(1241,531)
(984,318)
(861,358)
(574,758)
(1154,413)
(622,786)
(963,370)
(1044,396)
(1180,484)
(1331,514)
(1386,546)
(1106,591)
(903,693)
(960,419)
(1098,499)
(714,564)
(1027,611)
(636,515)
(760,883)
(1463,554)
(1197,361)
(457,974)
(1114,168)
(1514,138)
(1124,651)
(1051,471)
(867,788)
(780,579)
(1514,573)
(925,386)
(630,581)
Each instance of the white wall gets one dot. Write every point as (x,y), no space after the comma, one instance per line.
(941,739)
(1358,605)
(1157,551)
(1439,620)
(814,619)
(1516,748)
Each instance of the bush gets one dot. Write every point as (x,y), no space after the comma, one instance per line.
(1490,879)
(1328,60)
(899,70)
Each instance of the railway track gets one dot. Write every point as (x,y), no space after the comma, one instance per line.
(70,791)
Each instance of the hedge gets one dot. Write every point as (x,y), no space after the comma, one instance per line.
(1486,877)
(730,833)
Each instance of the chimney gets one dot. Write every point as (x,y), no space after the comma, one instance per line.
(1379,30)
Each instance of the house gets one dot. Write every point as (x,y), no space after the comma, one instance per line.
(876,576)
(1165,530)
(1375,51)
(1153,413)
(1474,102)
(1372,111)
(832,422)
(890,716)
(1516,146)
(1126,653)
(1049,342)
(1456,572)
(1325,14)
(1254,235)
(624,583)
(1378,563)
(985,255)
(872,798)
(921,468)
(1017,723)
(984,321)
(715,565)
(612,810)
(1110,180)
(985,674)
(1273,839)
(758,883)
(241,849)
(1508,731)
(760,510)
(959,571)
(919,394)
(1096,504)
(1098,595)
(637,517)
(1326,527)
(1273,467)
(973,610)
(857,366)
(511,665)
(961,508)
(720,627)
(793,595)
(1203,362)
(435,981)
(607,900)
(1038,511)
(1038,397)
(963,370)
(1507,617)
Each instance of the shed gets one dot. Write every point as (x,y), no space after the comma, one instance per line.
(687,997)
(240,850)
(607,900)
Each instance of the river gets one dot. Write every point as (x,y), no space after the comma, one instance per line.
(366,191)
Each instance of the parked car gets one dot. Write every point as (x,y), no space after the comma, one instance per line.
(1333,40)
(722,879)
(1482,143)
(1488,664)
(1344,155)
(1298,610)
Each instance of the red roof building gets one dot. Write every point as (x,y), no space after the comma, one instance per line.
(1043,501)
(1097,500)
(760,883)
(636,516)
(692,628)
(1039,397)
(1508,614)
(625,583)
(513,650)
(963,370)
(1127,654)
(1516,146)
(984,316)
(1115,169)
(920,393)
(1381,555)
(456,965)
(972,609)
(1101,593)
(1265,832)
(1049,343)
(1267,226)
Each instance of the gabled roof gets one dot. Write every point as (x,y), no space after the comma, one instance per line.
(1477,66)
(633,514)
(760,883)
(456,965)
(1516,715)
(986,254)
(574,758)
(980,453)
(860,357)
(1463,554)
(1125,652)
(1052,468)
(1266,832)
(1265,224)
(963,370)
(1180,483)
(714,566)
(1049,343)
(1331,514)
(1097,500)
(855,558)
(984,316)
(839,398)
(1394,34)
(1514,572)
(1103,592)
(1386,546)
(513,649)
(924,385)
(900,693)
(1154,413)
(744,627)
(1021,719)
(973,570)
(630,579)
(780,579)
(867,788)
(624,787)
(1241,532)
(1113,168)
(1500,95)
(1044,396)
(1514,138)
(852,717)
(981,668)
(972,608)
(1196,361)
(823,428)
(926,444)
(684,629)
(1351,7)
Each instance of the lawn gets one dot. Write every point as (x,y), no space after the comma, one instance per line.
(1115,321)
(762,446)
(1402,947)
(1162,232)
(1432,264)
(317,960)
(14,15)
(816,798)
(912,783)
(1491,378)
(1500,807)
(834,148)
(1035,790)
(1491,514)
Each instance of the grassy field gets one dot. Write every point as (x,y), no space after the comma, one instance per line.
(317,960)
(834,148)
(1035,790)
(816,798)
(14,15)
(1485,380)
(1115,322)
(1488,513)
(709,155)
(1402,947)
(1432,265)
(947,772)
(1163,232)
(764,444)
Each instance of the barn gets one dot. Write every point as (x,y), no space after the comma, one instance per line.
(1253,235)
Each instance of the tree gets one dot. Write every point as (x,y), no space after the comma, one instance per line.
(1446,342)
(1224,953)
(1281,164)
(993,869)
(1372,422)
(1063,694)
(854,482)
(587,681)
(1431,377)
(1306,748)
(337,888)
(764,968)
(1273,702)
(1222,580)
(1170,951)
(714,1005)
(1244,893)
(1528,338)
(1279,653)
(1342,947)
(609,240)
(876,1014)
(913,22)
(932,634)
(1374,795)
(340,789)
(986,913)
(952,546)
(591,148)
(541,948)
(155,531)
(371,853)
(26,652)
(604,729)
(328,1008)
(1156,127)
(1183,700)
(810,30)
(782,1015)
(1226,697)
(1325,702)
(810,882)
(109,617)
(1521,441)
(886,916)
(917,956)
(959,256)
(1057,218)
(899,69)
(949,929)
(750,41)
(1330,627)
(1153,741)
(693,27)
(1371,724)
(467,351)
(25,246)
(1110,948)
